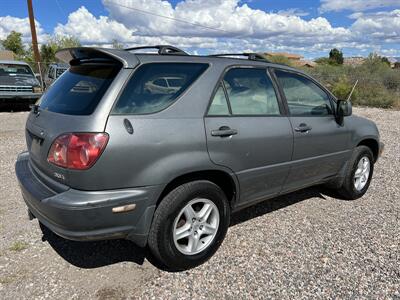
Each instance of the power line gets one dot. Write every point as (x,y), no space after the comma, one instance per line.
(169,18)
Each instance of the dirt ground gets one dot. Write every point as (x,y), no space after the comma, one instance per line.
(303,245)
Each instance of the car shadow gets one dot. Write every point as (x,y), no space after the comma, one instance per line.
(277,203)
(95,254)
(14,108)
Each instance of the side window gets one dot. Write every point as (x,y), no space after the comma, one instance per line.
(50,73)
(147,91)
(250,92)
(219,105)
(160,82)
(303,96)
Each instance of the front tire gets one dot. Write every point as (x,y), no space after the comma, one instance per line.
(358,174)
(189,225)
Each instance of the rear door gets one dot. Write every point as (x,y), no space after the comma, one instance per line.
(321,146)
(248,132)
(68,106)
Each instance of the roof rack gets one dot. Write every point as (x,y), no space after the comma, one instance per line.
(250,56)
(162,49)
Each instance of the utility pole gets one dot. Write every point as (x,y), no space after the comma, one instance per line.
(33,32)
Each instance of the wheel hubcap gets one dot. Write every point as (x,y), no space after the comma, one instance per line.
(361,174)
(196,226)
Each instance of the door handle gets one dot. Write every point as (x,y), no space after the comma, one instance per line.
(224,131)
(303,128)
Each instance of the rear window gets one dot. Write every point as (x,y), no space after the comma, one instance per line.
(148,92)
(79,90)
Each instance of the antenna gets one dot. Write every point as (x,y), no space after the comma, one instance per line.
(352,90)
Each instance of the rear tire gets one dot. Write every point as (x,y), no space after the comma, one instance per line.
(189,225)
(358,174)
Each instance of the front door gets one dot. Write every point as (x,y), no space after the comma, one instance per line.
(321,145)
(247,133)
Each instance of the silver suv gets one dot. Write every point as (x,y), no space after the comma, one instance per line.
(109,157)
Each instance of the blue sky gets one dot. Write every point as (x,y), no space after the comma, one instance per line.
(308,27)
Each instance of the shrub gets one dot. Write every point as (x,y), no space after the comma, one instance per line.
(342,88)
(391,80)
(378,85)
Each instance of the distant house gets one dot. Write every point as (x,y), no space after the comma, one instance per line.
(394,62)
(7,55)
(290,56)
(305,63)
(353,60)
(296,59)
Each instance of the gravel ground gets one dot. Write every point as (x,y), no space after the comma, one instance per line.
(303,245)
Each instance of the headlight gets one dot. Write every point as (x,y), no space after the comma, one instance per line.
(37,89)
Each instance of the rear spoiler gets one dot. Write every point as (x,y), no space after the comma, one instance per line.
(73,55)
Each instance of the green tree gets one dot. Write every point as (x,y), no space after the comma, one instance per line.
(13,42)
(48,50)
(336,56)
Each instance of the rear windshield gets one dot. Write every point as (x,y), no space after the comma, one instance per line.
(15,70)
(79,90)
(155,86)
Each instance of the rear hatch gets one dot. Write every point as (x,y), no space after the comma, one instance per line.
(75,103)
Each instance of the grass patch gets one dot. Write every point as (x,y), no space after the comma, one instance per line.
(18,246)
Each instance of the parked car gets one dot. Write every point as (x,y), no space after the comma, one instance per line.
(164,85)
(53,72)
(18,84)
(108,158)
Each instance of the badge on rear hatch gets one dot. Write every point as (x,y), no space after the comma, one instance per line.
(59,176)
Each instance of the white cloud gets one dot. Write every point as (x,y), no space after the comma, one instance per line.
(239,27)
(230,19)
(293,12)
(228,16)
(378,27)
(356,5)
(9,23)
(90,29)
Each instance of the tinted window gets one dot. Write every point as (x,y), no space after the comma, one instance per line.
(175,81)
(250,92)
(304,97)
(160,82)
(142,96)
(219,106)
(50,73)
(79,91)
(59,72)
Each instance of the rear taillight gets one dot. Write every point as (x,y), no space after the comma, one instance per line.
(77,150)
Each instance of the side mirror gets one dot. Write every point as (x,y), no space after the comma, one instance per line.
(343,109)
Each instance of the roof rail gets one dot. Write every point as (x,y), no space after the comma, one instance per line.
(162,49)
(250,56)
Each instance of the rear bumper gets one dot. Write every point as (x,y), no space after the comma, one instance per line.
(87,215)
